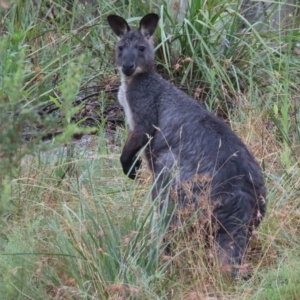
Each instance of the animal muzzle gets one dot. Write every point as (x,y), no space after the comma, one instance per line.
(128,69)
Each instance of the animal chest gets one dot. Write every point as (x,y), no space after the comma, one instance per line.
(125,104)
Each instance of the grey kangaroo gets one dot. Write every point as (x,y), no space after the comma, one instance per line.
(185,146)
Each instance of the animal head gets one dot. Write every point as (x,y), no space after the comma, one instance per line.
(134,52)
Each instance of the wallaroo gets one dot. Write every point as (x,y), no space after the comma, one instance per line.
(188,149)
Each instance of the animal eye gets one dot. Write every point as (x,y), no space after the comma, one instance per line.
(141,48)
(120,48)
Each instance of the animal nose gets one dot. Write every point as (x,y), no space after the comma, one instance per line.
(128,66)
(128,69)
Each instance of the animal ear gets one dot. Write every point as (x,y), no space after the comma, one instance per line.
(148,25)
(118,25)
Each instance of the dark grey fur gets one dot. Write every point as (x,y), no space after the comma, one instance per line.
(183,140)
